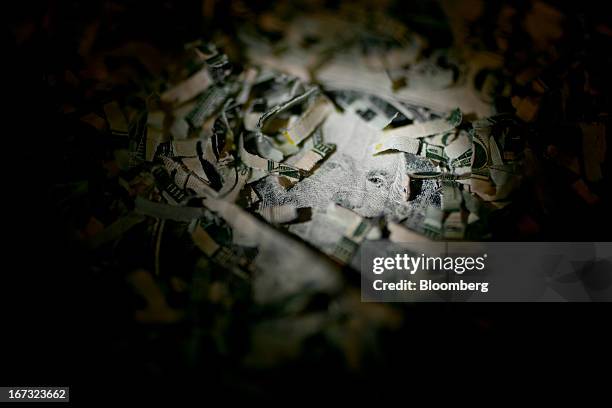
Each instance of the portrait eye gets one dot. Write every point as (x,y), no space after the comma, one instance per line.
(377,181)
(376,178)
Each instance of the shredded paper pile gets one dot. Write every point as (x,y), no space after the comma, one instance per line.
(241,176)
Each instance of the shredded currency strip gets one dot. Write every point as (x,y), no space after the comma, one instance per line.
(266,148)
(400,234)
(432,152)
(414,241)
(279,214)
(318,152)
(219,66)
(248,78)
(357,229)
(167,187)
(211,100)
(432,226)
(473,205)
(438,175)
(187,148)
(166,211)
(454,228)
(451,227)
(138,136)
(400,144)
(309,121)
(491,178)
(116,119)
(222,139)
(481,155)
(442,139)
(451,197)
(231,188)
(268,166)
(405,138)
(188,89)
(222,255)
(204,241)
(156,141)
(284,106)
(459,151)
(194,174)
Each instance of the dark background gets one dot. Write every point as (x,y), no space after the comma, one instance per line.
(64,327)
